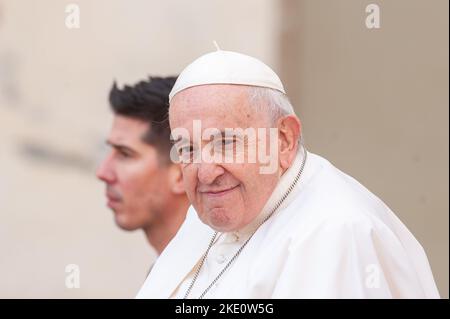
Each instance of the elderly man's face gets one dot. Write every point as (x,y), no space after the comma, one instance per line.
(227,196)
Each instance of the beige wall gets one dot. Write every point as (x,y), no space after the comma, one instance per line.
(374,102)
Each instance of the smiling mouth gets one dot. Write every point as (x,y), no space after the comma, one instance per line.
(221,192)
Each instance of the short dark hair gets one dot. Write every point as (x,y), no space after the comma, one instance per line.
(147,101)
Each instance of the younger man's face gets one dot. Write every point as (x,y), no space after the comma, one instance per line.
(136,180)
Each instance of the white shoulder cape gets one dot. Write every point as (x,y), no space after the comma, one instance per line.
(332,239)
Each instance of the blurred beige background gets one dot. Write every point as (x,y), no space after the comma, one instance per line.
(372,101)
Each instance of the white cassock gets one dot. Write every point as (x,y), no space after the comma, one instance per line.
(331,238)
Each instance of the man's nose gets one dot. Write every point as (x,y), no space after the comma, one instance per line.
(105,171)
(207,173)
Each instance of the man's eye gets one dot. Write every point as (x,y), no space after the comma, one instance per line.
(123,154)
(224,143)
(227,141)
(185,149)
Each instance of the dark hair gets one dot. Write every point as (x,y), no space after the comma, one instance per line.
(147,101)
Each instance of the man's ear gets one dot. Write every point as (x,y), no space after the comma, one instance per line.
(176,179)
(289,129)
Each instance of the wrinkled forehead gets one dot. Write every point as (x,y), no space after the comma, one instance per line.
(216,106)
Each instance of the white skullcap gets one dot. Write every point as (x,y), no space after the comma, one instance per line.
(226,67)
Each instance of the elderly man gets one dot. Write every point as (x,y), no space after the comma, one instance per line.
(298,229)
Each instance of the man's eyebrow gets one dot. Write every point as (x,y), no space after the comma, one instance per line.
(182,139)
(220,134)
(227,133)
(120,147)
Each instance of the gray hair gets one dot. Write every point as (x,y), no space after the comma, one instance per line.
(275,103)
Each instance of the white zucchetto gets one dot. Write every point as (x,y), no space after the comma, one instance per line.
(226,67)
